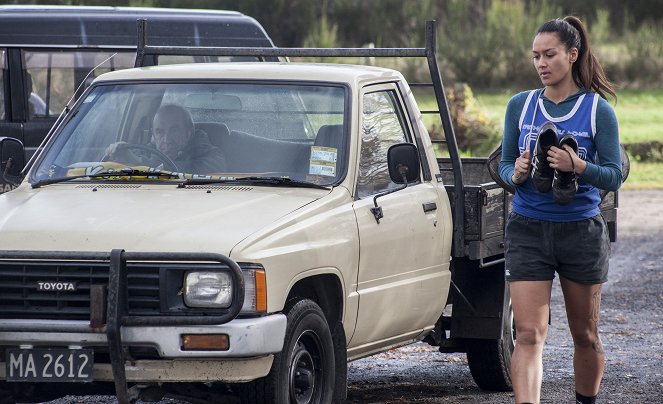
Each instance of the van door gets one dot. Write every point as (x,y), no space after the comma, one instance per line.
(8,128)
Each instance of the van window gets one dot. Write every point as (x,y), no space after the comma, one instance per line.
(52,77)
(3,69)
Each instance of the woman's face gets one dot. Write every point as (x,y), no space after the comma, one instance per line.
(552,61)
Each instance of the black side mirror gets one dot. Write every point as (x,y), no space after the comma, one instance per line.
(403,162)
(12,157)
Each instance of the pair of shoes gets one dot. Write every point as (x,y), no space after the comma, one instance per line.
(563,184)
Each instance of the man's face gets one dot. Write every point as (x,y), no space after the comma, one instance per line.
(170,134)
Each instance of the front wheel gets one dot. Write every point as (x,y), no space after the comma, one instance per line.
(303,373)
(490,359)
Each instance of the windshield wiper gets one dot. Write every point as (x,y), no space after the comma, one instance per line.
(124,172)
(277,181)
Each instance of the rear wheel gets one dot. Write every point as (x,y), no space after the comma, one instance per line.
(490,359)
(303,373)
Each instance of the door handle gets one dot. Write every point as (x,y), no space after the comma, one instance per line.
(429,206)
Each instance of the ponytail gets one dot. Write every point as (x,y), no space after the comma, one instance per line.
(587,71)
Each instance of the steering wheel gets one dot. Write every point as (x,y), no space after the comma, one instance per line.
(145,154)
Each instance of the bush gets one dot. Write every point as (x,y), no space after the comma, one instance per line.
(476,134)
(644,68)
(493,51)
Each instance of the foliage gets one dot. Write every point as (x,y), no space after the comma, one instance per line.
(476,133)
(482,42)
(645,51)
(324,35)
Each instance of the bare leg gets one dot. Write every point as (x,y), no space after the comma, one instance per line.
(531,308)
(582,309)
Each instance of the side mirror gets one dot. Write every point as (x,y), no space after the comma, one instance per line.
(12,157)
(403,162)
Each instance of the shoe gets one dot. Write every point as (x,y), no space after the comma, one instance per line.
(565,184)
(542,174)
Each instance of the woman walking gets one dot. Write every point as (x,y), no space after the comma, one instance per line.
(560,146)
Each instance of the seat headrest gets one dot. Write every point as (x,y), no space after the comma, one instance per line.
(216,131)
(329,136)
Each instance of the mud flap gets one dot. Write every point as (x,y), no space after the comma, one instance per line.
(478,301)
(341,364)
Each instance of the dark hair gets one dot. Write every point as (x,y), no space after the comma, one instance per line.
(587,71)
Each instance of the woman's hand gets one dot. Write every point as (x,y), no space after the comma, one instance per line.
(565,159)
(521,168)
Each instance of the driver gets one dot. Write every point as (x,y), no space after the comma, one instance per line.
(174,135)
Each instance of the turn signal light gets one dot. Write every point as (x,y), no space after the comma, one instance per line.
(205,342)
(261,291)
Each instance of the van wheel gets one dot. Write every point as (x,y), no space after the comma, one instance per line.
(490,359)
(303,372)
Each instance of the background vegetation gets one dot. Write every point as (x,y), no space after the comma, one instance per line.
(484,48)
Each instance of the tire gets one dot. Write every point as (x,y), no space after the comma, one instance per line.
(303,372)
(490,359)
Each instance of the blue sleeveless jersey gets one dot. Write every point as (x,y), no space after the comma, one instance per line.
(581,123)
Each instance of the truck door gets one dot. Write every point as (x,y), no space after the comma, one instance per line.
(400,276)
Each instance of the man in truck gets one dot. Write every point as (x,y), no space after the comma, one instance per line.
(174,135)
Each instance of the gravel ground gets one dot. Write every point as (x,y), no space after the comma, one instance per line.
(631,328)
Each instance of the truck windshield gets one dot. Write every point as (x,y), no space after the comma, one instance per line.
(203,130)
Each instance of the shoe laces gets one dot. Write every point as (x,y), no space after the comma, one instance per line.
(573,165)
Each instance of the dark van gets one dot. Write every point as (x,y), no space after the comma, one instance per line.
(47,54)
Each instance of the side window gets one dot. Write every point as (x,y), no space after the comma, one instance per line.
(52,77)
(382,127)
(3,70)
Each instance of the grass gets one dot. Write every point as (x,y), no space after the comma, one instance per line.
(639,113)
(640,118)
(645,176)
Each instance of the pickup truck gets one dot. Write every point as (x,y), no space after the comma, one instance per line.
(332,233)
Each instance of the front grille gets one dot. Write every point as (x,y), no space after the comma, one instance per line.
(20,297)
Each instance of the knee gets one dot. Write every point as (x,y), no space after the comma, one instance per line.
(585,338)
(530,334)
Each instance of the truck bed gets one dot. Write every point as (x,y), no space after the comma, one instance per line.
(487,207)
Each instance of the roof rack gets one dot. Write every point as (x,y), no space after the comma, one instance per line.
(147,56)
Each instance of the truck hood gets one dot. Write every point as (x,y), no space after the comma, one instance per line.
(142,217)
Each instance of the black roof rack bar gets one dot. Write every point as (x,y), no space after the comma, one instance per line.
(291,52)
(146,56)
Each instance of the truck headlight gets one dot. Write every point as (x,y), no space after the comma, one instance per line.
(208,289)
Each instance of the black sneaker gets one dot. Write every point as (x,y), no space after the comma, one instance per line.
(542,174)
(565,184)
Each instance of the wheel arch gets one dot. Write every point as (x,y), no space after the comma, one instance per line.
(325,290)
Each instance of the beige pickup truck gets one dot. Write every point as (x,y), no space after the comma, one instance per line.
(329,232)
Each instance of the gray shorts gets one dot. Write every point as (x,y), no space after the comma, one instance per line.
(536,249)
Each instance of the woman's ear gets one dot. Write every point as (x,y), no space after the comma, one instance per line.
(573,55)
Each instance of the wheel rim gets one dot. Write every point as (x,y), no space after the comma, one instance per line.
(305,365)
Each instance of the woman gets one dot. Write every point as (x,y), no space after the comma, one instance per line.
(560,146)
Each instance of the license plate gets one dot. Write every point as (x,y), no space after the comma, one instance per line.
(49,365)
